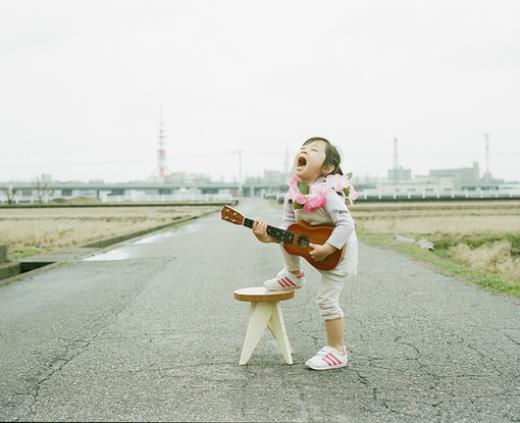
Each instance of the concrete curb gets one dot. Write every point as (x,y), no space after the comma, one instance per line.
(20,276)
(120,238)
(13,270)
(8,270)
(108,205)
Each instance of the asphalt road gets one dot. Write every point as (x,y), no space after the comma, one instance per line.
(150,331)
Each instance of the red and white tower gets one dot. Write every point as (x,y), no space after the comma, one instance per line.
(161,152)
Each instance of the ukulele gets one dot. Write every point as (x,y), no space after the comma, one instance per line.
(296,238)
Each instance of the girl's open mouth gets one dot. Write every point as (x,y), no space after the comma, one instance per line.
(302,161)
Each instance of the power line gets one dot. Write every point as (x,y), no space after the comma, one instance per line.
(192,156)
(236,152)
(78,163)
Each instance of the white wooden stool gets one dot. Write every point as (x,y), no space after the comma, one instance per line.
(265,312)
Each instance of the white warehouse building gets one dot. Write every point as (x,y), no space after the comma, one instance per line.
(423,186)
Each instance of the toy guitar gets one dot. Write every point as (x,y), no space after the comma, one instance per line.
(296,238)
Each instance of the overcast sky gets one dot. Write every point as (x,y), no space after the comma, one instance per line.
(82,83)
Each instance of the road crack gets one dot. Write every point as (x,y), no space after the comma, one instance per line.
(75,347)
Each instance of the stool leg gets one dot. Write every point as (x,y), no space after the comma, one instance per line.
(258,319)
(277,327)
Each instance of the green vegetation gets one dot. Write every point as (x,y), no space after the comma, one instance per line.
(468,243)
(17,252)
(32,231)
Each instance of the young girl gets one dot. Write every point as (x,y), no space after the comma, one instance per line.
(319,176)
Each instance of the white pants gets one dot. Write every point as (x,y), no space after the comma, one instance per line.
(332,281)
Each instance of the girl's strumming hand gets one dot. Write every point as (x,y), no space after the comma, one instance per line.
(260,231)
(321,252)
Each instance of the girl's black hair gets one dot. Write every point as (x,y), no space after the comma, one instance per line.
(331,154)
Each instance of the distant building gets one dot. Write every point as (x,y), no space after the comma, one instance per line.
(423,186)
(399,174)
(509,189)
(184,178)
(463,177)
(270,177)
(468,178)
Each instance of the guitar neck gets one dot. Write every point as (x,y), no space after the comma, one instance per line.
(277,233)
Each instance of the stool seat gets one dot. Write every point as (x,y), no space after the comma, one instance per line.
(260,294)
(265,313)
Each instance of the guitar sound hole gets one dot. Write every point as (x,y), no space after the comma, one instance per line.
(303,242)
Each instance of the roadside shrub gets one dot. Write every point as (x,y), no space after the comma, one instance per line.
(492,257)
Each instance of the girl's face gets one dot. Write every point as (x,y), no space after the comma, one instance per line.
(309,161)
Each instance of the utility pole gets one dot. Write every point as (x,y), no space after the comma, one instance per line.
(286,161)
(396,157)
(396,173)
(239,172)
(488,173)
(161,153)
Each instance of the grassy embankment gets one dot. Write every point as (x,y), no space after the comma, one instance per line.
(27,232)
(476,241)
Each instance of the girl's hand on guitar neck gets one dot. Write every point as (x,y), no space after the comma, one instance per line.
(321,252)
(260,231)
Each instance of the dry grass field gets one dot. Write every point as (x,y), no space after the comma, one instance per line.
(482,235)
(42,230)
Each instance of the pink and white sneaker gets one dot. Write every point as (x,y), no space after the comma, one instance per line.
(285,281)
(328,358)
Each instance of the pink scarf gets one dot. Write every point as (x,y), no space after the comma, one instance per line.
(317,195)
